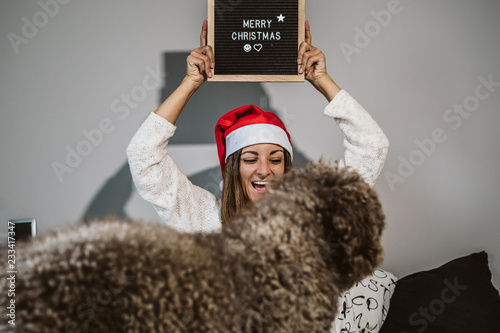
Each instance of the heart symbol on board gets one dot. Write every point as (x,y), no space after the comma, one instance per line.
(257,47)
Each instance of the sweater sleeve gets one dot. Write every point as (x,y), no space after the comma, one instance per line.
(179,203)
(366,145)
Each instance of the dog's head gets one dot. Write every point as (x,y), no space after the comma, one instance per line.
(343,209)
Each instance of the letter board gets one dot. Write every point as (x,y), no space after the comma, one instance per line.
(256,40)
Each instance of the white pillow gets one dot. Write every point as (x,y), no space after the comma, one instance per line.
(364,307)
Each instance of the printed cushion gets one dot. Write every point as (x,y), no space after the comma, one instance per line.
(364,307)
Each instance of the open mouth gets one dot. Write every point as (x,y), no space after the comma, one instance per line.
(259,186)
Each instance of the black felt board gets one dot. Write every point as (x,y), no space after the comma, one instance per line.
(256,38)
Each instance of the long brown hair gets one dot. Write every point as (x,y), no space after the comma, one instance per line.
(233,195)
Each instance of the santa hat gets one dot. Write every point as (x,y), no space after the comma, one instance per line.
(248,125)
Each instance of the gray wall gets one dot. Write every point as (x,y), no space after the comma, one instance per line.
(411,69)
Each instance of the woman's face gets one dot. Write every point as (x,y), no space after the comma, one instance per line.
(259,164)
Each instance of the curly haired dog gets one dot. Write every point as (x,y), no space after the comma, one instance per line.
(278,267)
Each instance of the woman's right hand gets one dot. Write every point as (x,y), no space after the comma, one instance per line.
(201,60)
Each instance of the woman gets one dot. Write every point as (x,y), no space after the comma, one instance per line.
(250,165)
(254,147)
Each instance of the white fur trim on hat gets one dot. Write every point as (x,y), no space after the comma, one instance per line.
(254,134)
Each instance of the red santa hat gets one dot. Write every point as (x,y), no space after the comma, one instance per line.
(248,125)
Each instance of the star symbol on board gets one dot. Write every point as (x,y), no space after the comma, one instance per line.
(281,18)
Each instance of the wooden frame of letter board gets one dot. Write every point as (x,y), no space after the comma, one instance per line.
(255,78)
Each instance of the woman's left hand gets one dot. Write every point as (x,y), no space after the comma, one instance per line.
(312,60)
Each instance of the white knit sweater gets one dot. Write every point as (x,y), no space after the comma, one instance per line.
(189,208)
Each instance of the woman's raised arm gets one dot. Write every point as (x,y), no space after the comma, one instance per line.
(365,143)
(179,203)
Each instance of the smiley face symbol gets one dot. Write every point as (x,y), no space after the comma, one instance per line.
(247,47)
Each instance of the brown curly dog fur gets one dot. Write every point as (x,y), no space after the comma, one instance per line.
(278,267)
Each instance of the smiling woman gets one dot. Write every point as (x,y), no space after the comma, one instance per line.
(264,151)
(247,172)
(253,146)
(258,165)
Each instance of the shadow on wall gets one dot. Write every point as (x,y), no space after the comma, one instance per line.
(195,126)
(112,197)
